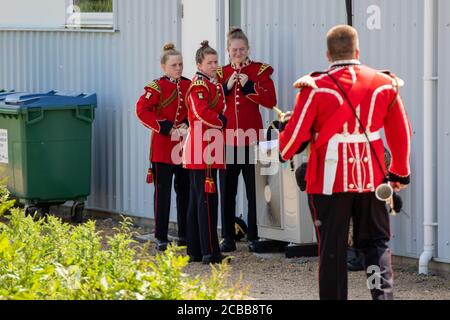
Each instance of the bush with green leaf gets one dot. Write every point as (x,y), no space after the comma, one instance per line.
(94,5)
(54,260)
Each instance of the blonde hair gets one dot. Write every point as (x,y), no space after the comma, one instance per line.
(236,33)
(169,50)
(342,42)
(203,51)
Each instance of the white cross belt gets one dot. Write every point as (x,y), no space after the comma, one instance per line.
(332,155)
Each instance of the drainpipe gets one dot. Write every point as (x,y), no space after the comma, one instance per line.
(428,174)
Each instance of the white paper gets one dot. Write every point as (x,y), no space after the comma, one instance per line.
(265,146)
(4,146)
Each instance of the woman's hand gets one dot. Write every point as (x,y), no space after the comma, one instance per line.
(231,81)
(243,78)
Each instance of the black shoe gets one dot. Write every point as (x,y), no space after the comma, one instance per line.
(227,246)
(213,258)
(195,259)
(355,264)
(253,245)
(181,242)
(161,245)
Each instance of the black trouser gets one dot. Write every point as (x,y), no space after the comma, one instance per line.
(163,174)
(229,179)
(202,236)
(370,235)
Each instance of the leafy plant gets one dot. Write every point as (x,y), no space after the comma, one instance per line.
(54,260)
(5,203)
(94,5)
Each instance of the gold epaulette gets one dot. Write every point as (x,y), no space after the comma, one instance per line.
(220,72)
(200,83)
(263,68)
(154,85)
(305,82)
(396,81)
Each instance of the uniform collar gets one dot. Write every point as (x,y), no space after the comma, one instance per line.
(173,80)
(202,75)
(343,63)
(241,65)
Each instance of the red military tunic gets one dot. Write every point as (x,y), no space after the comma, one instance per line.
(243,102)
(345,162)
(161,108)
(206,105)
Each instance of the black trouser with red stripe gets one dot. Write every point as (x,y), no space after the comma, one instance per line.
(370,234)
(163,174)
(202,236)
(229,179)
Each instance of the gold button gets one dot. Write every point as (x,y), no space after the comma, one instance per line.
(351,186)
(369,185)
(366,159)
(351,160)
(237,97)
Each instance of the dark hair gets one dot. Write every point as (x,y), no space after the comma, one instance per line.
(342,42)
(236,33)
(168,50)
(203,51)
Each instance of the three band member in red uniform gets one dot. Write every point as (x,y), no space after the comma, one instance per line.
(247,85)
(203,155)
(162,109)
(341,116)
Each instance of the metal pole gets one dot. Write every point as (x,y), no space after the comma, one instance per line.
(349,6)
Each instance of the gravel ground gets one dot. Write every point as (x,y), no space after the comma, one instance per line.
(274,277)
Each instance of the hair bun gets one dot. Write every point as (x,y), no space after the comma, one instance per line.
(205,43)
(235,29)
(169,46)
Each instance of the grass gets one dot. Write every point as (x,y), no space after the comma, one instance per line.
(94,5)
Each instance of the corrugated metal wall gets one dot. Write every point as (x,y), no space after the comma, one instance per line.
(290,36)
(116,66)
(443,135)
(398,46)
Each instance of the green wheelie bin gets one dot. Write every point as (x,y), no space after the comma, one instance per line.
(45,149)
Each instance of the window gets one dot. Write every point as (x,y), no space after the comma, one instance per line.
(235,13)
(57,14)
(90,14)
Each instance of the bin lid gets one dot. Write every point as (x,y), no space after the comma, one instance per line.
(4,94)
(49,100)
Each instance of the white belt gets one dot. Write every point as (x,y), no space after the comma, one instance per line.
(332,155)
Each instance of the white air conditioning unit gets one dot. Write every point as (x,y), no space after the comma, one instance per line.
(282,209)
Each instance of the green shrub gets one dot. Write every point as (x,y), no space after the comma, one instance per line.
(5,203)
(94,5)
(49,260)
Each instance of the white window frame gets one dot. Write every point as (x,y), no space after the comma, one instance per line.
(91,20)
